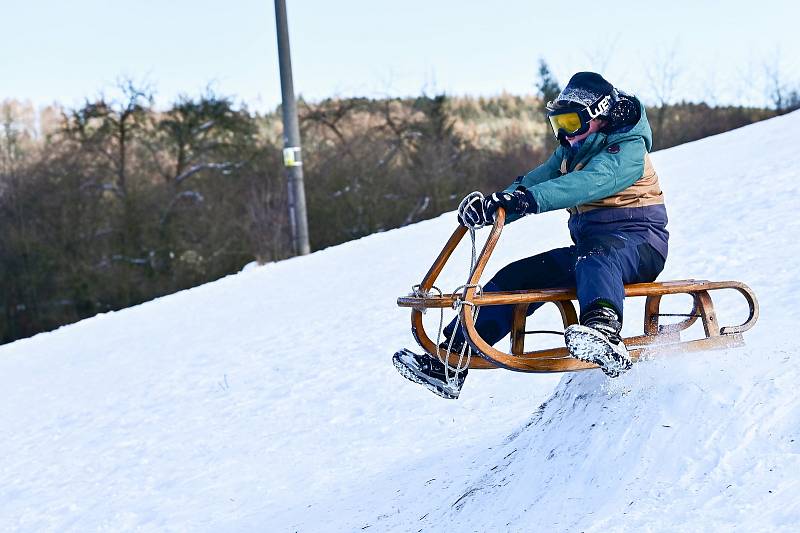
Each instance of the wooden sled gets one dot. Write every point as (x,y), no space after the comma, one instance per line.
(656,337)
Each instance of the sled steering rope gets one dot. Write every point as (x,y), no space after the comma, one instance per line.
(656,337)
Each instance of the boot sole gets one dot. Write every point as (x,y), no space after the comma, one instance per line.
(437,387)
(590,346)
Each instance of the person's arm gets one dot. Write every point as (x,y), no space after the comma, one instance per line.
(548,170)
(605,175)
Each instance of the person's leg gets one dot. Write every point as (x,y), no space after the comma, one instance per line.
(547,270)
(550,269)
(605,263)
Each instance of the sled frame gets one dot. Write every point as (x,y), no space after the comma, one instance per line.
(656,337)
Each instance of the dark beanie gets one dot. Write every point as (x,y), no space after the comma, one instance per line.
(585,88)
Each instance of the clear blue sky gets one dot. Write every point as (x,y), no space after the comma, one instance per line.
(67,51)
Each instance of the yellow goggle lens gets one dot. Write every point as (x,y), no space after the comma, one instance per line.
(569,122)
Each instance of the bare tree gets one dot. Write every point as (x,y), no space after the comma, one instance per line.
(662,72)
(711,87)
(547,89)
(599,56)
(775,85)
(108,127)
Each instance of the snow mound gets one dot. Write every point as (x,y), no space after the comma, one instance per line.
(675,443)
(266,401)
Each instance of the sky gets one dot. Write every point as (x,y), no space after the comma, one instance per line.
(718,51)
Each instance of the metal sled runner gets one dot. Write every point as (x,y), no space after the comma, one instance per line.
(657,337)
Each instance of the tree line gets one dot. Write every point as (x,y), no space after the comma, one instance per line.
(123,202)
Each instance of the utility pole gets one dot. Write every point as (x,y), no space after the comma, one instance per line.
(292,158)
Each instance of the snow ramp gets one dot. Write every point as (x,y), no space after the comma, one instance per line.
(680,445)
(266,401)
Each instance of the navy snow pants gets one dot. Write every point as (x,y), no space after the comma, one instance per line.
(597,266)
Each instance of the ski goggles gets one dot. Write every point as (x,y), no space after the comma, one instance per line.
(571,122)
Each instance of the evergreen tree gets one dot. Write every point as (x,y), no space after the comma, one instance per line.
(547,89)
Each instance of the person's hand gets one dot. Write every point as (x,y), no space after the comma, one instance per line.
(519,202)
(471,211)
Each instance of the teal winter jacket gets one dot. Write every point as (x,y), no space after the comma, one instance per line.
(608,185)
(609,163)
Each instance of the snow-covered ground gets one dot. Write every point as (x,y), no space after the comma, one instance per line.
(266,401)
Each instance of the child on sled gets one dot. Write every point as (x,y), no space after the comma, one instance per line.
(602,174)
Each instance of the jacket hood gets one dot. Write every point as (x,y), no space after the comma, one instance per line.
(640,129)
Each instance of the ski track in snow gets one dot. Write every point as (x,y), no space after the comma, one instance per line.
(266,401)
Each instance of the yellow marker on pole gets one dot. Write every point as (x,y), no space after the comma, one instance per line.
(291,157)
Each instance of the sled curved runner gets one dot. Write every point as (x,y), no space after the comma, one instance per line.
(656,336)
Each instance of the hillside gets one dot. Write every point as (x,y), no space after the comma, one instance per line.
(266,401)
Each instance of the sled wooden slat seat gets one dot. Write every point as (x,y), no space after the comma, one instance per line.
(656,336)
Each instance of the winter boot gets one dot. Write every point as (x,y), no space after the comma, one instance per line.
(430,373)
(597,341)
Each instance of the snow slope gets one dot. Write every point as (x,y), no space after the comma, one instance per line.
(266,401)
